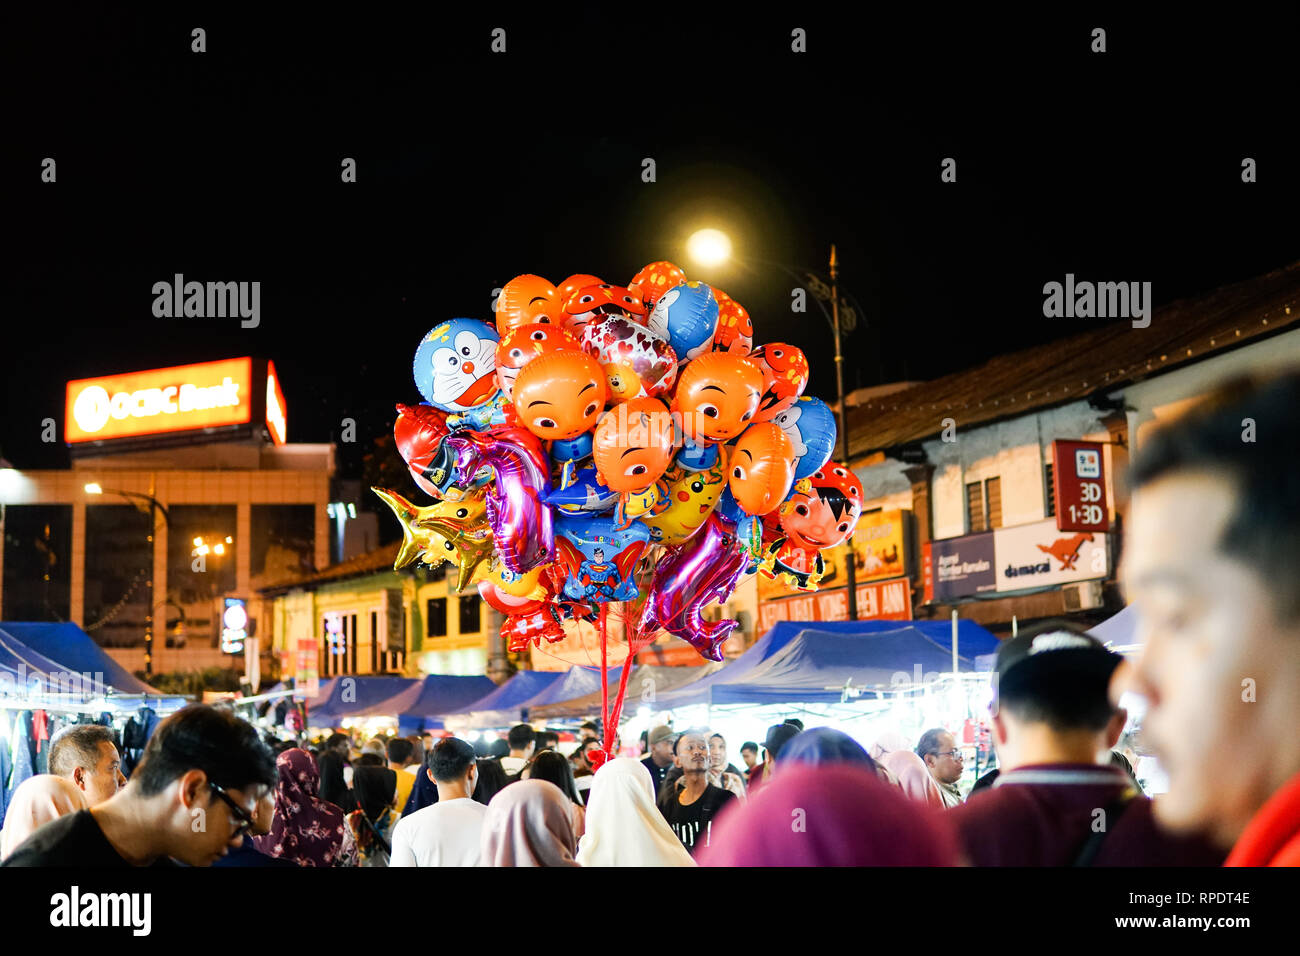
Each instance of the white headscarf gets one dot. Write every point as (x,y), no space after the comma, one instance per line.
(624,827)
(37,801)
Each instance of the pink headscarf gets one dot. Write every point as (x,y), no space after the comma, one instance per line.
(528,824)
(829,816)
(37,801)
(914,777)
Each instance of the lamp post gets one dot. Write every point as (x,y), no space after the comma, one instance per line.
(93,488)
(710,247)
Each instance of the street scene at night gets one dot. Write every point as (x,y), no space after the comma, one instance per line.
(449,443)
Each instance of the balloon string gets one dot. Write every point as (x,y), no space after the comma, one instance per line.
(622,685)
(604,677)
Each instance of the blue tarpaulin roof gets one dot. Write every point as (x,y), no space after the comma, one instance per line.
(575,682)
(417,707)
(519,688)
(76,651)
(796,660)
(355,696)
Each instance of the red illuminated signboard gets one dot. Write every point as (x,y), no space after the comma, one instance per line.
(1079,481)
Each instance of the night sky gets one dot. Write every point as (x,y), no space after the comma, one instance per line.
(473,168)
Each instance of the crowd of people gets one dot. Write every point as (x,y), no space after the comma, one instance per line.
(1212,557)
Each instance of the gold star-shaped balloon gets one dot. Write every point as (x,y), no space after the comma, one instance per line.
(447,531)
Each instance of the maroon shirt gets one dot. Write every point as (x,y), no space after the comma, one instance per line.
(1043,815)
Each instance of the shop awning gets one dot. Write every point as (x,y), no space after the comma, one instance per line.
(417,707)
(783,667)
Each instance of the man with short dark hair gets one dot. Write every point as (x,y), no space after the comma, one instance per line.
(659,760)
(938,748)
(778,735)
(445,833)
(523,742)
(546,740)
(589,731)
(1211,564)
(87,755)
(1058,801)
(192,798)
(691,809)
(749,754)
(721,772)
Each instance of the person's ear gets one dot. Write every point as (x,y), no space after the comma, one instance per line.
(1115,727)
(191,787)
(79,777)
(430,775)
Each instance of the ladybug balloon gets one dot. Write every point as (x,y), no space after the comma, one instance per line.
(785,374)
(654,280)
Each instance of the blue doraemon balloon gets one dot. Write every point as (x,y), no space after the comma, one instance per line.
(687,316)
(455,365)
(599,556)
(810,425)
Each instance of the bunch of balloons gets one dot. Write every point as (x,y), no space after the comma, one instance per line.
(600,443)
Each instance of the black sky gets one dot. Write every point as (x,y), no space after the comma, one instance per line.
(473,168)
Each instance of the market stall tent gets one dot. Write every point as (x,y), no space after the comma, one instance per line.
(76,651)
(857,652)
(355,696)
(575,682)
(646,682)
(416,707)
(1120,631)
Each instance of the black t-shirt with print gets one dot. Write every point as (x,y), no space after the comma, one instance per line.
(74,839)
(693,822)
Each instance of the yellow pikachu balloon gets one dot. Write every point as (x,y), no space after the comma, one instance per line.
(689,501)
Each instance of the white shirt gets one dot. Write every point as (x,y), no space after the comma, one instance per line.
(513,764)
(443,834)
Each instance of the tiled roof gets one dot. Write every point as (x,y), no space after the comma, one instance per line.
(381,559)
(1092,362)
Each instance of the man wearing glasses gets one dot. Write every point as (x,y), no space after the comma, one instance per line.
(193,797)
(938,749)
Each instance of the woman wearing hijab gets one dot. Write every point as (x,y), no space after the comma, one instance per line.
(36,802)
(333,785)
(555,767)
(822,745)
(914,778)
(305,829)
(829,816)
(528,824)
(624,827)
(372,822)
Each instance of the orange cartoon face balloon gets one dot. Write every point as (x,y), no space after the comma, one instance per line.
(527,299)
(717,396)
(761,468)
(521,345)
(559,395)
(654,280)
(633,445)
(575,282)
(735,327)
(593,301)
(785,376)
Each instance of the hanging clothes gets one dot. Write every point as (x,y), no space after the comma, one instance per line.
(6,765)
(40,738)
(135,736)
(21,753)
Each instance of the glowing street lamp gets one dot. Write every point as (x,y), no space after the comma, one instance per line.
(709,247)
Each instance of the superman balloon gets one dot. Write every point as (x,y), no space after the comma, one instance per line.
(598,557)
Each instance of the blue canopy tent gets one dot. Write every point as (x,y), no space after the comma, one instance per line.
(355,696)
(417,706)
(927,638)
(74,651)
(565,685)
(820,666)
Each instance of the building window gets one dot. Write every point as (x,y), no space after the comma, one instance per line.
(993,500)
(436,617)
(469,614)
(975,507)
(1051,491)
(984,504)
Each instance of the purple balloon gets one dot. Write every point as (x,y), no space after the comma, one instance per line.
(516,501)
(704,569)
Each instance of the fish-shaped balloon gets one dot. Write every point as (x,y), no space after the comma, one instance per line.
(583,493)
(703,570)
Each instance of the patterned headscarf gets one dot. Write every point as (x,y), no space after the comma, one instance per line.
(305,829)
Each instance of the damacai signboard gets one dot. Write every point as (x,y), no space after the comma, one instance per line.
(1012,559)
